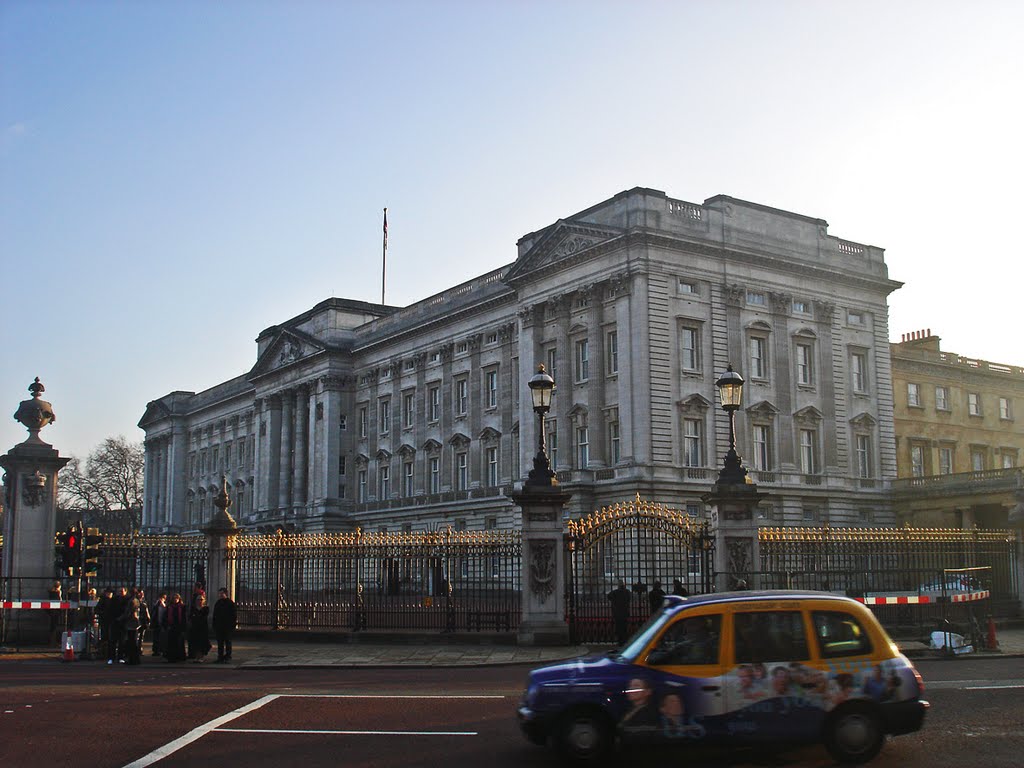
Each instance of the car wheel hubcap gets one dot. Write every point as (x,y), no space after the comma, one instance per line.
(583,736)
(855,734)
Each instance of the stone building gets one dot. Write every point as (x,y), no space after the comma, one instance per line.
(358,414)
(958,440)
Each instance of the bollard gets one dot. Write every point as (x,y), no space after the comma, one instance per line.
(993,643)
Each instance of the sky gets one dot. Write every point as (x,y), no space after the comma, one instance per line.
(176,177)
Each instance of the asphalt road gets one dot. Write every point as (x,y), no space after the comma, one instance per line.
(190,715)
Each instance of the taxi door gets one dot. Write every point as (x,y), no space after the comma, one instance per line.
(680,675)
(775,689)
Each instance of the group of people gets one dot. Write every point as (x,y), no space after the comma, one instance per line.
(621,599)
(178,632)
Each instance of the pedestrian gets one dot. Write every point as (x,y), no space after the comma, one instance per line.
(656,597)
(158,615)
(110,609)
(620,599)
(679,589)
(145,617)
(225,616)
(175,623)
(131,624)
(199,629)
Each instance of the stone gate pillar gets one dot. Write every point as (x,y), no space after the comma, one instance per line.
(30,522)
(734,528)
(221,533)
(543,575)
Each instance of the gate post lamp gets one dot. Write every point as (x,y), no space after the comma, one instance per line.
(542,387)
(730,392)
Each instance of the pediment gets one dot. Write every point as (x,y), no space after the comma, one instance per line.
(383,455)
(695,403)
(288,347)
(459,440)
(564,241)
(431,446)
(864,421)
(155,411)
(763,410)
(578,410)
(489,433)
(406,451)
(808,415)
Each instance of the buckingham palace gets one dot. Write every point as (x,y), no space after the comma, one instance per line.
(414,418)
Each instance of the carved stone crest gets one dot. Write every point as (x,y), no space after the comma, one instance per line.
(542,569)
(33,489)
(291,351)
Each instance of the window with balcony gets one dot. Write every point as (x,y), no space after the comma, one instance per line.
(582,447)
(384,411)
(762,458)
(917,460)
(384,475)
(864,463)
(435,474)
(809,451)
(946,460)
(407,479)
(461,470)
(491,461)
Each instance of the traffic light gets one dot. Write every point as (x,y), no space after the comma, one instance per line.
(71,550)
(91,560)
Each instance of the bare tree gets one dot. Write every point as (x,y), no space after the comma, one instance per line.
(107,489)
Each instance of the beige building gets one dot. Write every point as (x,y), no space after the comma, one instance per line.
(959,437)
(358,414)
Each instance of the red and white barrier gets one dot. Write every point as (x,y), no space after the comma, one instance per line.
(908,599)
(49,605)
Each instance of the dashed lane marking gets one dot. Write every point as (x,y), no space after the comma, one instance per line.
(347,733)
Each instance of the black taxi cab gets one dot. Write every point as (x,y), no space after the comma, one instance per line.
(739,668)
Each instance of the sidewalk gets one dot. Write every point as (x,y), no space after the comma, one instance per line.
(256,653)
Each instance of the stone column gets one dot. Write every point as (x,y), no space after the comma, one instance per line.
(734,527)
(301,443)
(598,371)
(543,574)
(221,533)
(284,496)
(30,522)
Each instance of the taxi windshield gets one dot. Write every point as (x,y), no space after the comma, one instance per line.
(643,636)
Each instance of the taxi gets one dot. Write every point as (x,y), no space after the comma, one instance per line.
(734,668)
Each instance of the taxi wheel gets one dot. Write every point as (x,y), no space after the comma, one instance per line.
(584,736)
(853,734)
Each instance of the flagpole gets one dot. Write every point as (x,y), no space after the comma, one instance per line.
(384,257)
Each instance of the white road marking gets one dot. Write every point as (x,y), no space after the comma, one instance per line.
(197,733)
(990,687)
(348,733)
(379,696)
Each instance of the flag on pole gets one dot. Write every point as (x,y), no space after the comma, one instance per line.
(385,228)
(384,258)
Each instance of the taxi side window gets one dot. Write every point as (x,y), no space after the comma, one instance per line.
(690,640)
(839,634)
(764,636)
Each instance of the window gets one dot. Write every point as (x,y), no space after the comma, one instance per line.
(1005,411)
(433,403)
(770,636)
(762,447)
(855,318)
(407,478)
(859,372)
(1009,459)
(689,349)
(755,299)
(758,357)
(492,338)
(552,435)
(974,404)
(917,460)
(582,369)
(552,369)
(801,307)
(491,459)
(612,345)
(461,397)
(215,466)
(582,447)
(913,395)
(362,421)
(341,465)
(384,474)
(804,365)
(687,286)
(408,409)
(840,634)
(945,460)
(342,423)
(462,347)
(978,459)
(941,399)
(863,456)
(690,640)
(385,416)
(461,471)
(808,451)
(692,454)
(362,486)
(435,474)
(491,388)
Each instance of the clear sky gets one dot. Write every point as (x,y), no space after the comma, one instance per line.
(177,176)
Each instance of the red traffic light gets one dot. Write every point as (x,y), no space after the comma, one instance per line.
(72,541)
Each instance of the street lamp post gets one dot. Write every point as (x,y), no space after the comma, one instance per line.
(542,387)
(730,391)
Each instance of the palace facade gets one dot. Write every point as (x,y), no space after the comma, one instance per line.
(958,440)
(417,417)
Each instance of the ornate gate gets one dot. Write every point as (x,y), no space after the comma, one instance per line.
(639,543)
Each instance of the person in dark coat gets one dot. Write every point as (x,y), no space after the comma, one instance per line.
(131,625)
(679,589)
(225,616)
(110,624)
(656,597)
(175,623)
(199,629)
(159,616)
(620,600)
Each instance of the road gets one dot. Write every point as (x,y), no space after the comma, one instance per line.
(56,715)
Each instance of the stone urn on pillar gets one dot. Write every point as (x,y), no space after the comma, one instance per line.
(30,522)
(543,573)
(221,533)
